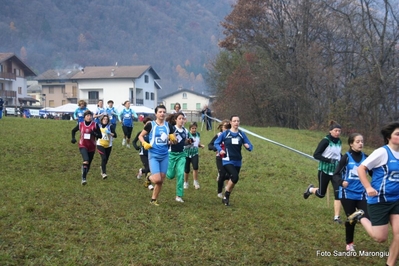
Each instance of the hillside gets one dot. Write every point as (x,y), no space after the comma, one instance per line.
(176,37)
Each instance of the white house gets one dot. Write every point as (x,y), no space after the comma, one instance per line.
(191,102)
(13,74)
(136,84)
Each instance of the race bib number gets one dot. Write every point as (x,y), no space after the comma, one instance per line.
(234,141)
(86,136)
(179,138)
(105,136)
(164,137)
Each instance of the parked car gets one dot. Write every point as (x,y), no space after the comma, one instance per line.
(12,111)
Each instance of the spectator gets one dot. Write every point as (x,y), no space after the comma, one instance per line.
(207,113)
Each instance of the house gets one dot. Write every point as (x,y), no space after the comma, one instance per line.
(57,87)
(13,80)
(191,102)
(136,84)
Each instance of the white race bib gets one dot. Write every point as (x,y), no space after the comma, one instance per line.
(234,141)
(86,136)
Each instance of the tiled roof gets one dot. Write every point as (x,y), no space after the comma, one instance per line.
(114,72)
(184,90)
(55,74)
(5,56)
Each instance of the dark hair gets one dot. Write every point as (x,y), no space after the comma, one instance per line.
(125,103)
(161,106)
(146,119)
(231,117)
(334,124)
(98,102)
(224,122)
(87,112)
(387,131)
(171,119)
(110,101)
(178,105)
(193,124)
(102,118)
(352,137)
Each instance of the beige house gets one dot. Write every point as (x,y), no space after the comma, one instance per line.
(13,80)
(57,87)
(191,102)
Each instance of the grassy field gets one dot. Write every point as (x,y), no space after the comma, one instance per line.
(48,218)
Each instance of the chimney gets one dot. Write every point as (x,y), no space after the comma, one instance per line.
(112,72)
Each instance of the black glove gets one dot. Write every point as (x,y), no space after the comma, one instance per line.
(73,141)
(333,160)
(94,134)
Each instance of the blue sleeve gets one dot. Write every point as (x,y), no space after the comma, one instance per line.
(246,140)
(134,114)
(219,141)
(75,114)
(120,116)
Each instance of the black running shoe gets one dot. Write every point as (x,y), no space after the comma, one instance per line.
(307,193)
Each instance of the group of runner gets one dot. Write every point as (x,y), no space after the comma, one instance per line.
(373,204)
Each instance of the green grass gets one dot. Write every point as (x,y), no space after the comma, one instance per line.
(48,218)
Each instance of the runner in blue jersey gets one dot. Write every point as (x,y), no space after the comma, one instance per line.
(383,191)
(233,140)
(351,191)
(160,135)
(100,112)
(78,115)
(145,170)
(177,156)
(112,112)
(126,118)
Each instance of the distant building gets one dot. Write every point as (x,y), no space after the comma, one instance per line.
(118,83)
(13,80)
(191,102)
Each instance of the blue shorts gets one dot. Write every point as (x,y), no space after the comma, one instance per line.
(158,163)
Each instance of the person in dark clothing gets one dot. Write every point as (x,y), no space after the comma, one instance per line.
(207,117)
(328,153)
(222,174)
(104,143)
(1,107)
(89,131)
(145,170)
(351,191)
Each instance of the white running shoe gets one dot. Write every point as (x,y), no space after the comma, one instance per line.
(220,195)
(104,176)
(185,185)
(140,173)
(150,187)
(179,199)
(84,182)
(128,146)
(350,247)
(196,185)
(123,142)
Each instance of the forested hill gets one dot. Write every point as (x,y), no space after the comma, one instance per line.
(176,37)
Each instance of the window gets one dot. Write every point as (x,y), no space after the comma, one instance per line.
(184,106)
(172,106)
(198,106)
(147,95)
(63,102)
(152,96)
(184,95)
(63,89)
(1,68)
(51,89)
(19,90)
(74,92)
(16,72)
(93,97)
(51,103)
(146,79)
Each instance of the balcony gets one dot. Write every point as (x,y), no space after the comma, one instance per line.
(139,101)
(8,94)
(4,75)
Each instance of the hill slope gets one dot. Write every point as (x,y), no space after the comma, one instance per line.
(176,37)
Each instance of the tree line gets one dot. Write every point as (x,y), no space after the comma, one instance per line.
(302,63)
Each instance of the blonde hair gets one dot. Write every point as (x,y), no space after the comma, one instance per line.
(82,102)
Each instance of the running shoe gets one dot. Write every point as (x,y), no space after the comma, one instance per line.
(140,173)
(185,185)
(154,202)
(179,199)
(196,185)
(147,183)
(150,187)
(337,220)
(128,146)
(225,201)
(220,195)
(84,182)
(355,217)
(307,193)
(350,247)
(104,176)
(123,142)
